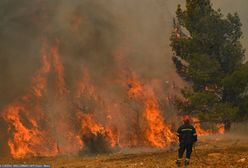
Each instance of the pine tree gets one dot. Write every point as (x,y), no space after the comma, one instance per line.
(207,51)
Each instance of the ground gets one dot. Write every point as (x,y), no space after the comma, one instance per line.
(222,151)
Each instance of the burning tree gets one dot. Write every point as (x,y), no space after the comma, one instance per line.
(150,125)
(207,50)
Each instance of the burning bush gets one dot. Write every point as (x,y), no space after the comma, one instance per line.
(96,143)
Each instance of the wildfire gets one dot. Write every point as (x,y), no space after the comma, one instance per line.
(27,135)
(221,128)
(89,125)
(30,130)
(85,86)
(156,132)
(135,88)
(27,139)
(40,81)
(199,130)
(59,69)
(45,121)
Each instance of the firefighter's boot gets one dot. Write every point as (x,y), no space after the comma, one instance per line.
(186,162)
(178,162)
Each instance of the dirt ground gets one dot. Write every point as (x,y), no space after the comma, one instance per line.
(222,151)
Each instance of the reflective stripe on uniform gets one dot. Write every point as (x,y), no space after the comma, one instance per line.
(187,129)
(195,134)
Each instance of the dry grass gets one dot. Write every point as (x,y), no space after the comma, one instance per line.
(214,152)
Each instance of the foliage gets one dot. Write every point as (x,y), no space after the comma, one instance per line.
(236,89)
(209,56)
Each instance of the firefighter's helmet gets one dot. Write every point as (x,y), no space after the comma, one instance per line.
(186,119)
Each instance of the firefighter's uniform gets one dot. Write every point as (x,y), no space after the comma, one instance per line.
(187,136)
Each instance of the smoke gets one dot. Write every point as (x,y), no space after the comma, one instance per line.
(89,31)
(106,37)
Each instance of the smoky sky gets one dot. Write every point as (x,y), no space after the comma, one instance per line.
(141,28)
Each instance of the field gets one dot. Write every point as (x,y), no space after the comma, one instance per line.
(229,151)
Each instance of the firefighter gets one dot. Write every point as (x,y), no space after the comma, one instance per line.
(187,137)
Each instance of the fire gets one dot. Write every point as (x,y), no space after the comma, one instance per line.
(89,125)
(40,81)
(50,122)
(27,139)
(199,130)
(149,126)
(30,130)
(221,128)
(156,132)
(135,87)
(27,136)
(85,86)
(59,69)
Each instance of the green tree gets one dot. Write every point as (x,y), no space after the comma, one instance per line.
(208,55)
(236,89)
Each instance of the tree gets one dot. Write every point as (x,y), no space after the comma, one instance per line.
(208,55)
(236,89)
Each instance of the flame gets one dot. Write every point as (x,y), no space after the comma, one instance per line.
(27,140)
(59,69)
(87,121)
(135,87)
(221,128)
(88,124)
(39,82)
(158,133)
(29,128)
(199,130)
(67,139)
(40,129)
(85,86)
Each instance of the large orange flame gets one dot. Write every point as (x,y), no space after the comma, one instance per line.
(199,130)
(27,140)
(31,134)
(48,124)
(156,132)
(27,135)
(89,125)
